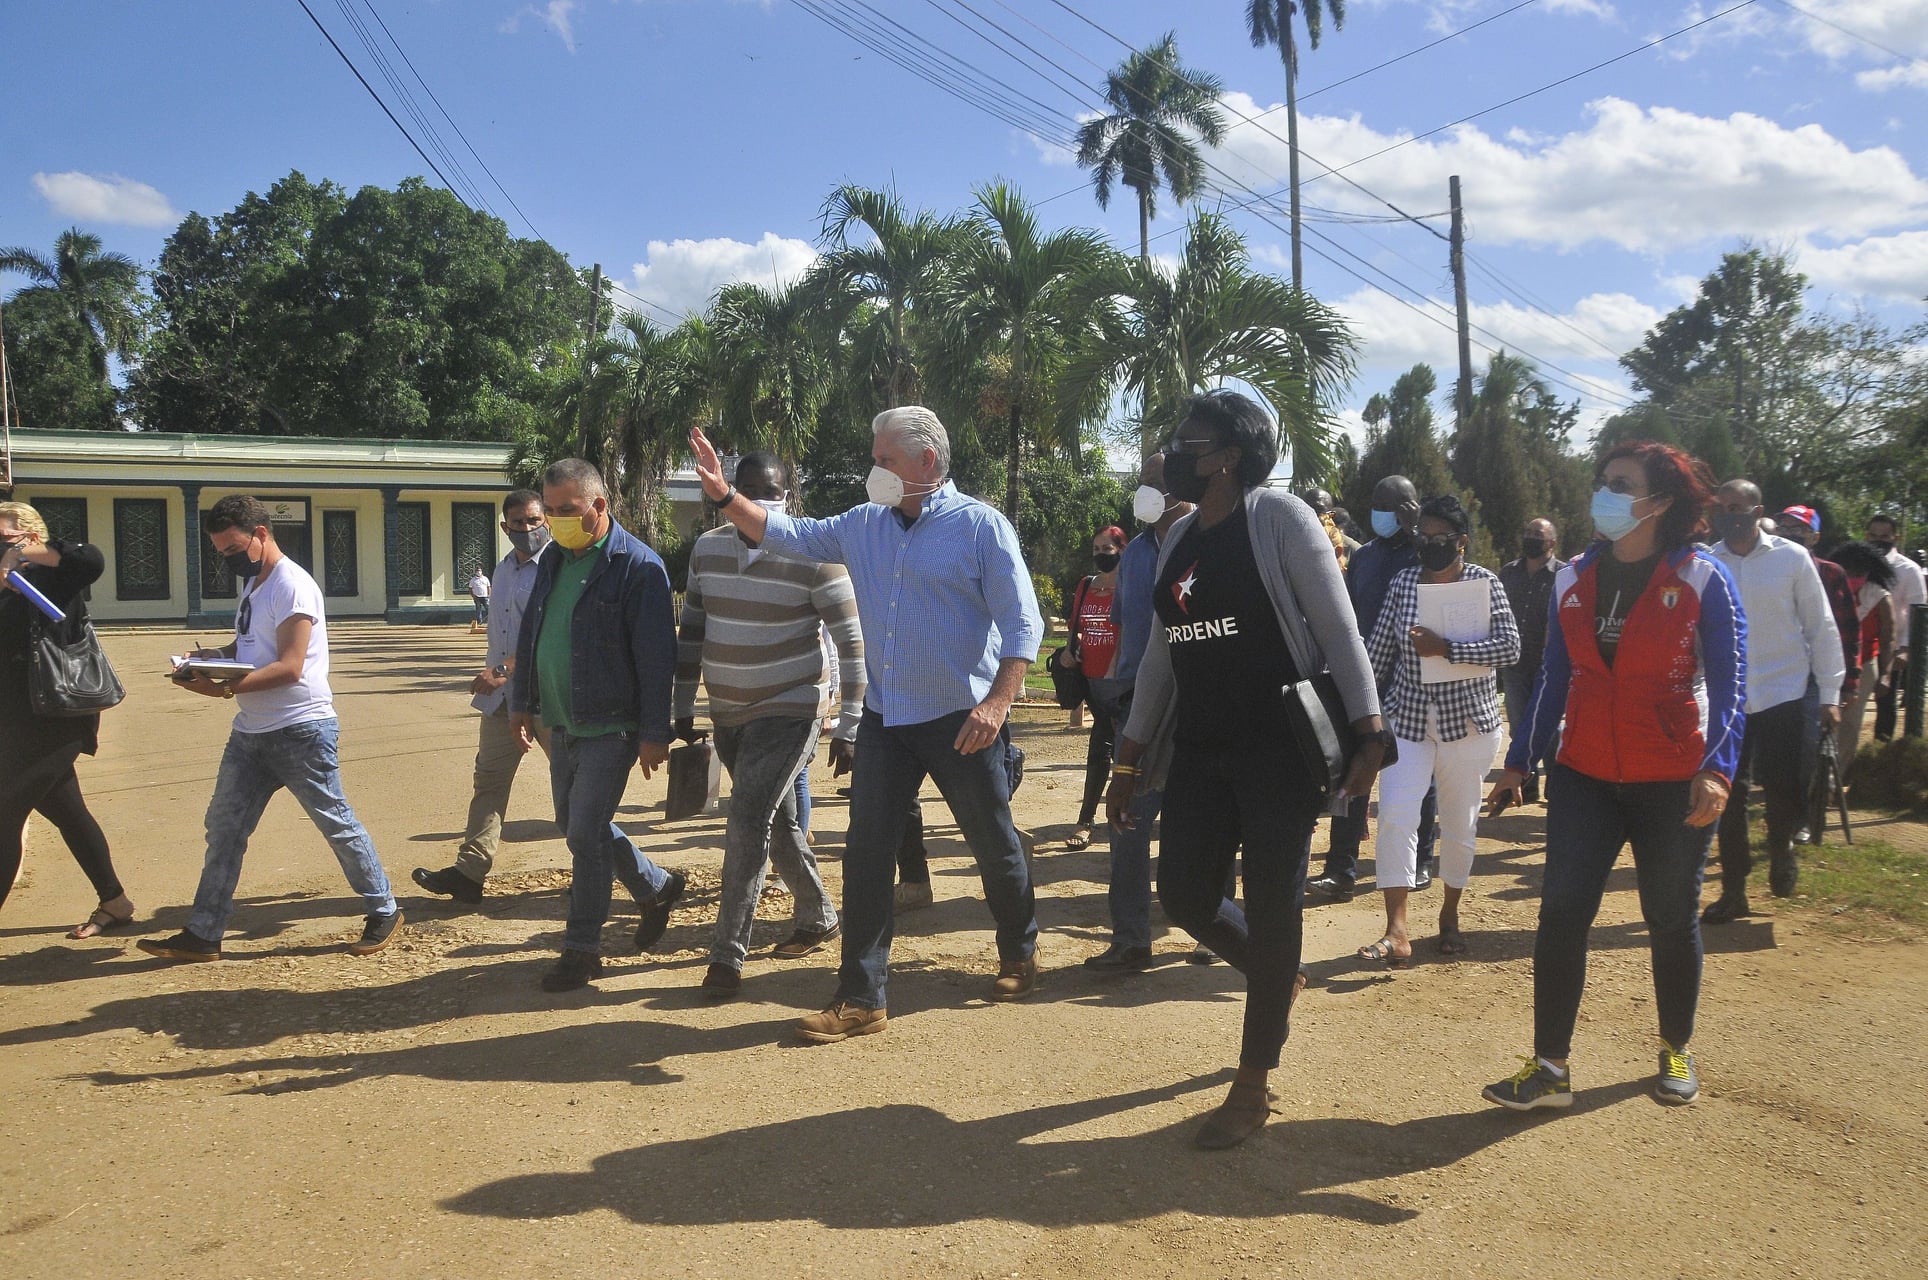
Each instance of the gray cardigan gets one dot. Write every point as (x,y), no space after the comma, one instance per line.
(1302,578)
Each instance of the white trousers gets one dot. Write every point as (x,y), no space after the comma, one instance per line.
(1459,769)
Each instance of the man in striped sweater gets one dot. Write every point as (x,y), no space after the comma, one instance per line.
(751,627)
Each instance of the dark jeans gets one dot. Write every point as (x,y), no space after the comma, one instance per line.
(47,783)
(892,763)
(1103,706)
(1214,803)
(913,859)
(1349,828)
(1885,704)
(1587,823)
(1774,756)
(586,780)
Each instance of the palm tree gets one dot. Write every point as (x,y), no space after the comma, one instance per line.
(776,364)
(1270,22)
(97,290)
(647,390)
(1019,299)
(1156,106)
(1170,334)
(895,271)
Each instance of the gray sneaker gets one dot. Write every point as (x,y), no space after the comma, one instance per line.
(1676,1085)
(1532,1088)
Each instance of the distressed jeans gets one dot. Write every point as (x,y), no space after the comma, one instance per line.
(765,757)
(586,778)
(302,758)
(892,763)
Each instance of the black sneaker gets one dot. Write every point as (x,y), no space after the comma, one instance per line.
(1331,887)
(656,914)
(1677,1084)
(1202,954)
(377,932)
(450,883)
(1730,906)
(722,982)
(182,946)
(574,969)
(1532,1088)
(1423,874)
(1119,959)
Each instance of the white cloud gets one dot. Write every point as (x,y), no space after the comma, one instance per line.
(1890,267)
(105,198)
(682,275)
(1643,179)
(1591,8)
(557,15)
(1898,24)
(1909,75)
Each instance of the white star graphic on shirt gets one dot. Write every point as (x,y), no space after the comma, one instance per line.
(1182,589)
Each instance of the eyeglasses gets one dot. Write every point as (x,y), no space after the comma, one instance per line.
(1620,486)
(1197,446)
(1437,539)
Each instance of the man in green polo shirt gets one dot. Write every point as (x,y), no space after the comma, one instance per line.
(594,664)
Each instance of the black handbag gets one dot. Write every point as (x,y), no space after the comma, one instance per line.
(695,780)
(1068,684)
(1321,731)
(68,680)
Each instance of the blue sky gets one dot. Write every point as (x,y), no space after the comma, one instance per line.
(687,143)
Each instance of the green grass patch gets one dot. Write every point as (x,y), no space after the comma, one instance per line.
(1868,878)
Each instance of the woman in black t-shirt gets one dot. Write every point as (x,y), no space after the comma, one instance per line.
(1248,599)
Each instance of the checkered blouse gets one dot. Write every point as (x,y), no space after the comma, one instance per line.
(1460,707)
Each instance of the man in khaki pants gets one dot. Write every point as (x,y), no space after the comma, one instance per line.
(499,754)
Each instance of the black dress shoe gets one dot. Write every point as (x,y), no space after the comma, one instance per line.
(722,982)
(574,969)
(1331,887)
(1784,872)
(1730,906)
(450,883)
(656,914)
(1118,959)
(1422,876)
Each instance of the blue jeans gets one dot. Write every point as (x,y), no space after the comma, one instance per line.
(1129,893)
(301,758)
(765,758)
(1587,823)
(892,763)
(481,608)
(586,779)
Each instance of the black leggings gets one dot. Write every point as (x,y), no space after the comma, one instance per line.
(48,784)
(1213,804)
(1097,762)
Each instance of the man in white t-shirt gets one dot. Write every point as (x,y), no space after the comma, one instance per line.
(284,735)
(479,593)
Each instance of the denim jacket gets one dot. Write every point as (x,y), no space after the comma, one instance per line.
(622,661)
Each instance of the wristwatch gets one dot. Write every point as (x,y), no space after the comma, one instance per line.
(227,691)
(500,671)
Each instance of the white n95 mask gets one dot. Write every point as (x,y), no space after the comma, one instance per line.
(1148,504)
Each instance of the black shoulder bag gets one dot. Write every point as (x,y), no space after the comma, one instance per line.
(1069,685)
(1321,731)
(67,679)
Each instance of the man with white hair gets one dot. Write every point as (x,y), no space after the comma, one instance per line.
(950,626)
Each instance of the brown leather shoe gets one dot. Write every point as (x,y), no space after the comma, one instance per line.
(721,982)
(804,942)
(1016,979)
(841,1021)
(1243,1113)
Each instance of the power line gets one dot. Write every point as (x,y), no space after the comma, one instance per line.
(1381,66)
(401,93)
(658,307)
(349,63)
(458,128)
(1870,41)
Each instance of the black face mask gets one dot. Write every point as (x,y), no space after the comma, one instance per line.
(1731,527)
(1182,480)
(1106,561)
(1435,557)
(1533,548)
(1883,545)
(240,566)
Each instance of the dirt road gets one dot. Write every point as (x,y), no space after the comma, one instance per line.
(430,1112)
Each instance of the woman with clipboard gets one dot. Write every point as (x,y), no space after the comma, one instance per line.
(37,753)
(1443,704)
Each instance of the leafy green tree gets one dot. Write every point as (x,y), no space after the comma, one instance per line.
(648,389)
(1165,335)
(1064,502)
(1157,106)
(50,367)
(1019,299)
(1401,440)
(1510,454)
(96,291)
(1269,22)
(776,363)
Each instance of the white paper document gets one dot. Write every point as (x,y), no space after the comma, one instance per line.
(1456,611)
(212,668)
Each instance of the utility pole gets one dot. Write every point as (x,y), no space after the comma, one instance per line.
(590,331)
(6,419)
(1463,395)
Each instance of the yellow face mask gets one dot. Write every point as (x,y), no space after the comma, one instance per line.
(568,531)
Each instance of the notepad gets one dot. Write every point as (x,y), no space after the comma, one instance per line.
(1455,611)
(212,668)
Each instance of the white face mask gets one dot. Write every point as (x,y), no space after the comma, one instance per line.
(1148,504)
(774,504)
(887,488)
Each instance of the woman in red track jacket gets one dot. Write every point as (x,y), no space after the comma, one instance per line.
(1646,662)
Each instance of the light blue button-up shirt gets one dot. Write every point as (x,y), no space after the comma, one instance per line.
(509,586)
(942,602)
(1131,603)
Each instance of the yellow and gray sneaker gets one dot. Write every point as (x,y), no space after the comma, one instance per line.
(1534,1087)
(1676,1085)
